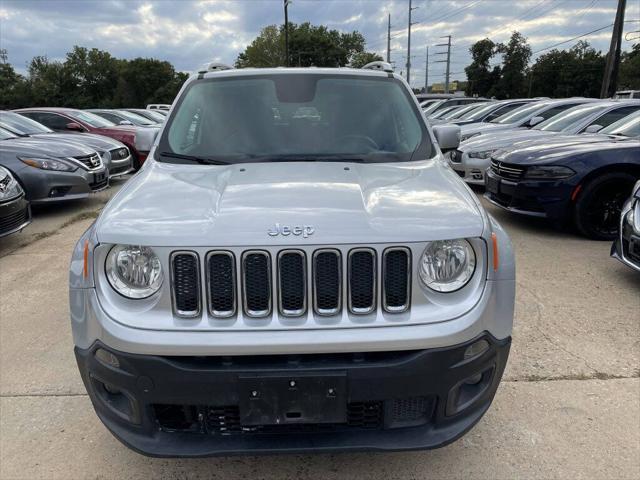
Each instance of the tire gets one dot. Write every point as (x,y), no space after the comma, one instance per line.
(597,211)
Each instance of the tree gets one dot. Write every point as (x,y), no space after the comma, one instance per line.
(309,45)
(360,59)
(480,78)
(515,59)
(12,84)
(629,76)
(95,74)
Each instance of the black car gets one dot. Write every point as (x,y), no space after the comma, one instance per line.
(578,182)
(626,247)
(15,213)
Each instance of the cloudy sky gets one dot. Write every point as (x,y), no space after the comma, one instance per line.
(189,33)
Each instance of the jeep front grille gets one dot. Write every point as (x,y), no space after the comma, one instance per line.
(293,280)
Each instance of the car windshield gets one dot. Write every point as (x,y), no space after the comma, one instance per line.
(135,118)
(445,111)
(519,114)
(295,117)
(566,119)
(432,107)
(91,118)
(463,112)
(5,134)
(483,111)
(22,125)
(628,126)
(158,118)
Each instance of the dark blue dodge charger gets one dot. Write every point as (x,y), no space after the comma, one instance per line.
(579,180)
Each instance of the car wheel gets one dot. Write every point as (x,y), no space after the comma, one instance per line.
(597,211)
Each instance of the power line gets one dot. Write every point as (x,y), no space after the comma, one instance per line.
(574,38)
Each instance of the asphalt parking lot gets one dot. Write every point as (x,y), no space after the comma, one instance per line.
(569,406)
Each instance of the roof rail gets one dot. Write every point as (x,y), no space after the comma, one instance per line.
(384,66)
(214,67)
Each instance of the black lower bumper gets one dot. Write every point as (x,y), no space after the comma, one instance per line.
(201,406)
(15,214)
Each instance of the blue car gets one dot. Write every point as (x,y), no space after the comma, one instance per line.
(581,181)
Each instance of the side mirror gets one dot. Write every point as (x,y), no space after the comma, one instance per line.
(76,127)
(595,128)
(447,136)
(124,122)
(535,121)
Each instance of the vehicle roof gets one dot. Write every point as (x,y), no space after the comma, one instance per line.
(49,109)
(243,72)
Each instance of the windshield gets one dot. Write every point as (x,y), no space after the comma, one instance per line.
(483,111)
(4,134)
(445,111)
(628,126)
(22,125)
(135,118)
(463,112)
(566,119)
(285,117)
(432,107)
(150,114)
(91,118)
(519,114)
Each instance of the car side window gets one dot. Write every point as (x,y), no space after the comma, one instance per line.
(110,116)
(552,112)
(614,115)
(51,120)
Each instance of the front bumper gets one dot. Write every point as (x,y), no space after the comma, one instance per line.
(471,170)
(200,406)
(626,248)
(546,199)
(43,186)
(120,167)
(15,214)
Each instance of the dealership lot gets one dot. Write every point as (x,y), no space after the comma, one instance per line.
(569,407)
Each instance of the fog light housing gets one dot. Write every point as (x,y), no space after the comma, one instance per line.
(107,358)
(476,349)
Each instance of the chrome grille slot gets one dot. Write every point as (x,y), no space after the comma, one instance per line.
(327,282)
(91,162)
(362,281)
(221,284)
(507,170)
(185,281)
(396,274)
(256,283)
(292,282)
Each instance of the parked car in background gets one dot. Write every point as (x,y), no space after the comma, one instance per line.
(493,110)
(15,211)
(527,116)
(293,283)
(451,102)
(627,94)
(138,140)
(444,111)
(626,247)
(472,157)
(158,106)
(455,113)
(51,171)
(157,116)
(578,182)
(115,155)
(123,117)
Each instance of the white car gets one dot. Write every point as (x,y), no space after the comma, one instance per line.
(276,282)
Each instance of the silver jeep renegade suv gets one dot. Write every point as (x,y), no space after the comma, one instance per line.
(295,268)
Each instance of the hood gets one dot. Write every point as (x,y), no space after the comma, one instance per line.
(572,146)
(96,142)
(503,138)
(237,205)
(44,147)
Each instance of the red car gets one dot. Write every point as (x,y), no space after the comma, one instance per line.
(139,140)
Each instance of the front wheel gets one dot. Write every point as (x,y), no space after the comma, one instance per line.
(597,211)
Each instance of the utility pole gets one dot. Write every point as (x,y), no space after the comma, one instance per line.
(610,80)
(447,61)
(411,9)
(286,32)
(426,73)
(389,40)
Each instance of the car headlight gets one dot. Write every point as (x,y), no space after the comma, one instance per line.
(9,186)
(49,164)
(484,154)
(106,156)
(447,265)
(550,172)
(134,271)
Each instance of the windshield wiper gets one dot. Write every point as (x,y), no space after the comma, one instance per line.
(194,158)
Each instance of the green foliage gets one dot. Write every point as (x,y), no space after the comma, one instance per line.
(480,77)
(309,46)
(515,58)
(89,78)
(360,59)
(629,78)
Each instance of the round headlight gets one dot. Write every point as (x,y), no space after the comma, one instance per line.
(447,265)
(134,271)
